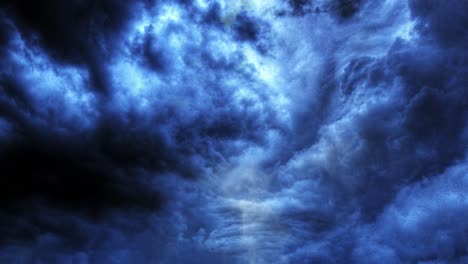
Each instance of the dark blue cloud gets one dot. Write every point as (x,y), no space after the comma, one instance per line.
(424,223)
(444,21)
(88,154)
(233,132)
(246,28)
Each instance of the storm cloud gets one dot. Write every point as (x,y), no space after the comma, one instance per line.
(233,132)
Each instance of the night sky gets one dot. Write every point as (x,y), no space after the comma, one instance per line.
(219,131)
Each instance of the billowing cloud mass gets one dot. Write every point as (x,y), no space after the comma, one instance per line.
(212,131)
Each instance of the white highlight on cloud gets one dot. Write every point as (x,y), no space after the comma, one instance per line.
(63,89)
(271,206)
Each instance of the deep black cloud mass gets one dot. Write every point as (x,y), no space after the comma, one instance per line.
(92,170)
(79,32)
(218,132)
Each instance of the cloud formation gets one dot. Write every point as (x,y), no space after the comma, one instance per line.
(217,132)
